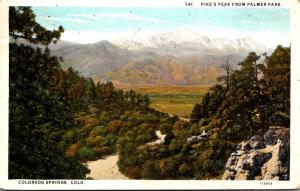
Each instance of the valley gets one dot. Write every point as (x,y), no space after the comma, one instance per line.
(174,100)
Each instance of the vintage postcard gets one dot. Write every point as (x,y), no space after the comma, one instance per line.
(150,94)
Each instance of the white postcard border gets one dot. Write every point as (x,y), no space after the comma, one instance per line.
(294,181)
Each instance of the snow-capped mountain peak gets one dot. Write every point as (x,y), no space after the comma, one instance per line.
(188,42)
(179,36)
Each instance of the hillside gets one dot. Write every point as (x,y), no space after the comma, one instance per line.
(176,58)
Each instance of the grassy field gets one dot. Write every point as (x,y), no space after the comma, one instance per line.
(175,100)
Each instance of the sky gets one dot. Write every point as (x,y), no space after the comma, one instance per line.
(269,26)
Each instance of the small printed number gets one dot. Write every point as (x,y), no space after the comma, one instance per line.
(188,4)
(265,183)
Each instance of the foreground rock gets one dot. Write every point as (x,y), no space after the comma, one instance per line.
(261,158)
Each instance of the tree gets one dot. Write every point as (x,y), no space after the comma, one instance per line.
(37,118)
(197,113)
(22,24)
(227,72)
(276,85)
(132,98)
(216,98)
(236,108)
(90,90)
(108,90)
(144,101)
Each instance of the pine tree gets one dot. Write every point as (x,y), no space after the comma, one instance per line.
(22,24)
(37,117)
(276,86)
(197,113)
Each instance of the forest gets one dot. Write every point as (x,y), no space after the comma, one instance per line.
(59,119)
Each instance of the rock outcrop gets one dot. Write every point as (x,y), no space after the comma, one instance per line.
(261,158)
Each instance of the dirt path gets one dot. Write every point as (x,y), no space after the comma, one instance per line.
(160,140)
(105,168)
(181,118)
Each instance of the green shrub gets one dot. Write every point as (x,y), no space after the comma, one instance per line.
(169,167)
(114,126)
(95,140)
(98,130)
(105,117)
(102,151)
(151,170)
(280,118)
(194,129)
(140,139)
(204,121)
(86,153)
(70,136)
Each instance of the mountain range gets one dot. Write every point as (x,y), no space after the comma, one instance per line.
(187,42)
(180,57)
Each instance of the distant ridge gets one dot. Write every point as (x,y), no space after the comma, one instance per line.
(186,41)
(180,57)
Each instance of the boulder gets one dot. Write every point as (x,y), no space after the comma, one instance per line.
(242,175)
(245,146)
(256,142)
(226,175)
(239,153)
(230,162)
(253,160)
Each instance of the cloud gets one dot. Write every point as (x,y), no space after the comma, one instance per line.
(65,19)
(85,37)
(116,16)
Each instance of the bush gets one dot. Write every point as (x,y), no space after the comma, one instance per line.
(169,167)
(80,114)
(133,172)
(165,128)
(145,126)
(70,136)
(152,119)
(91,121)
(151,170)
(204,122)
(102,151)
(140,139)
(110,140)
(280,119)
(184,169)
(71,150)
(194,129)
(138,118)
(180,125)
(94,110)
(175,146)
(95,141)
(98,130)
(105,117)
(85,154)
(114,126)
